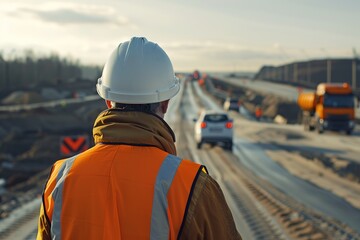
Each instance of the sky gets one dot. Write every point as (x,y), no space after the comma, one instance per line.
(208,35)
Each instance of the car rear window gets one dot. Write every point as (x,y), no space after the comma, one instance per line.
(216,118)
(234,101)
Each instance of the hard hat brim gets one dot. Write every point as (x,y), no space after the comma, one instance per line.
(137,98)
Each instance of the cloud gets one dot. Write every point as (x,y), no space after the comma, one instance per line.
(75,15)
(188,46)
(226,52)
(245,54)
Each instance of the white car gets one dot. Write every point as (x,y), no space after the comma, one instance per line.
(214,127)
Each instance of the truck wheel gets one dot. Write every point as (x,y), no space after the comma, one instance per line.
(320,130)
(198,145)
(348,132)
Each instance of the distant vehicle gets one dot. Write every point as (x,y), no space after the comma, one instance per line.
(330,107)
(214,127)
(196,76)
(231,104)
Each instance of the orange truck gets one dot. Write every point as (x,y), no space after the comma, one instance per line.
(330,107)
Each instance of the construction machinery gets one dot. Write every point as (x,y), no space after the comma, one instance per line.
(330,107)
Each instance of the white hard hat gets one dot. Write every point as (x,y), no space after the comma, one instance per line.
(138,72)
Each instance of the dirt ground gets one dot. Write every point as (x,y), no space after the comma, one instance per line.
(272,106)
(338,175)
(335,174)
(319,175)
(30,144)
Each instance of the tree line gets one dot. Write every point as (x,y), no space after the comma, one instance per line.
(28,70)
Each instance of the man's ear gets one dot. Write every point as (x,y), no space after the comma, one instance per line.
(108,103)
(164,106)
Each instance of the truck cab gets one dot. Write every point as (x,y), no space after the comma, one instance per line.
(331,107)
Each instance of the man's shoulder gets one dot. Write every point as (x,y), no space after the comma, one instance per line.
(208,213)
(206,183)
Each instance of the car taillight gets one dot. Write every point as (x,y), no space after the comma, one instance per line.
(203,125)
(229,125)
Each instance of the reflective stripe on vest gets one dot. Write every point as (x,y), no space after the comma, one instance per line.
(57,195)
(159,220)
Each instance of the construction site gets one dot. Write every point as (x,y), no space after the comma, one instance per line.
(33,139)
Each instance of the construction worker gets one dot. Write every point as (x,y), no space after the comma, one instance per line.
(131,184)
(258,113)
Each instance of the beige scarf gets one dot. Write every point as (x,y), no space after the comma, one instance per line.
(133,128)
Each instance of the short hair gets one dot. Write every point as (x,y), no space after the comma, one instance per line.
(149,107)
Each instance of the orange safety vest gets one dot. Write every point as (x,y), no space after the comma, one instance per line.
(119,192)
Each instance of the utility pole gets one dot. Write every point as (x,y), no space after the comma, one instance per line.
(308,71)
(7,75)
(354,68)
(3,75)
(354,74)
(328,74)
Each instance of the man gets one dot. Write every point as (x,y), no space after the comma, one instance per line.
(131,185)
(258,113)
